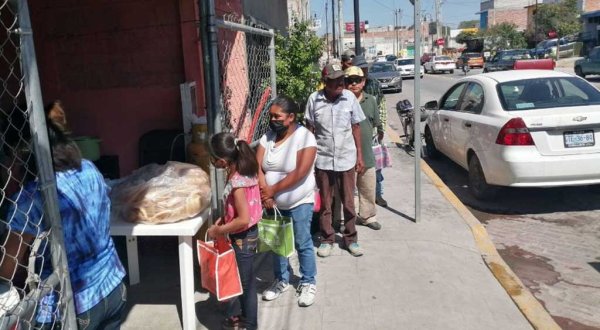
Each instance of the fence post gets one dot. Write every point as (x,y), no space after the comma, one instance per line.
(43,157)
(272,62)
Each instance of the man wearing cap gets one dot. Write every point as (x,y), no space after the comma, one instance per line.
(333,114)
(372,87)
(365,182)
(347,57)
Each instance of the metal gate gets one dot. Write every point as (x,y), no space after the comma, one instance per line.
(25,160)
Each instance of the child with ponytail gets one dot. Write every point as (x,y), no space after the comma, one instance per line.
(243,210)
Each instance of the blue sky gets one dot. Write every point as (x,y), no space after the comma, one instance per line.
(380,12)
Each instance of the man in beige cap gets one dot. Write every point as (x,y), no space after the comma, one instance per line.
(333,114)
(365,182)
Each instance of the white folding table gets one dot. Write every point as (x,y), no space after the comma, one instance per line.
(184,230)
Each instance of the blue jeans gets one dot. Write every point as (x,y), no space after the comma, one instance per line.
(378,185)
(301,217)
(244,245)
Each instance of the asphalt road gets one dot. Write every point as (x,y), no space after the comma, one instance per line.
(549,237)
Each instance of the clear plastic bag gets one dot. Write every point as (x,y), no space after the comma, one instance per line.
(161,193)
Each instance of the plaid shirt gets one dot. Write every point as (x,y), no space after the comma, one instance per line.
(372,87)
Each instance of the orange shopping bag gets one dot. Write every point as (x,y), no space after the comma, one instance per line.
(218,269)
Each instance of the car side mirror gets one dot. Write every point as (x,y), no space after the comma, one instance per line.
(431,105)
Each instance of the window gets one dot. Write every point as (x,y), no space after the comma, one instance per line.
(472,100)
(544,93)
(451,98)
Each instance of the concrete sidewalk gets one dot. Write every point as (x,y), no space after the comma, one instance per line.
(426,275)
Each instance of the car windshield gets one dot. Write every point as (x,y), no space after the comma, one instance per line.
(443,58)
(406,62)
(543,93)
(472,55)
(382,68)
(515,55)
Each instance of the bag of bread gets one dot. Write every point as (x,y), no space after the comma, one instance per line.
(161,193)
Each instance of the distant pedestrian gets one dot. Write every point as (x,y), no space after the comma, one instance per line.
(286,158)
(366,181)
(373,87)
(347,58)
(334,114)
(243,210)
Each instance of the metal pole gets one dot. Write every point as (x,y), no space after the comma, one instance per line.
(333,42)
(272,63)
(417,117)
(215,108)
(357,48)
(341,27)
(327,32)
(47,179)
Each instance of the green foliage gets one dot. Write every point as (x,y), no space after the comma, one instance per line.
(296,58)
(464,36)
(468,24)
(504,36)
(562,17)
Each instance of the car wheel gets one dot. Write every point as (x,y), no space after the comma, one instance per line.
(451,71)
(430,149)
(477,183)
(579,72)
(485,70)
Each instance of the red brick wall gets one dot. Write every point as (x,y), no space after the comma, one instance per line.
(117,66)
(516,16)
(591,5)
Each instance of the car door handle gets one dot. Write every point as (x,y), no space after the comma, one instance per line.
(467,124)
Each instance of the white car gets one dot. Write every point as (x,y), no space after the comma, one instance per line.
(440,64)
(406,67)
(522,128)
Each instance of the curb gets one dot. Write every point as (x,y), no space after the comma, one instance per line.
(530,307)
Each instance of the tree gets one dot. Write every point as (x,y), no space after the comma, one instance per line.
(296,58)
(468,24)
(504,36)
(465,36)
(562,18)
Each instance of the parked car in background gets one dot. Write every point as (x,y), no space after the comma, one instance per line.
(387,75)
(547,48)
(475,60)
(426,57)
(529,128)
(589,64)
(380,58)
(406,67)
(505,59)
(440,64)
(390,57)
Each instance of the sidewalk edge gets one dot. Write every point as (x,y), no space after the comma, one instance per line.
(529,306)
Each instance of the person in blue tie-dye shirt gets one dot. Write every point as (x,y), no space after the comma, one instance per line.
(95,270)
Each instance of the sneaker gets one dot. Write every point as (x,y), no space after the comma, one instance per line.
(374,225)
(324,250)
(355,250)
(275,290)
(307,293)
(380,201)
(233,323)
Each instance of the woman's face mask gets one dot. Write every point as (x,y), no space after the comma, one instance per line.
(279,120)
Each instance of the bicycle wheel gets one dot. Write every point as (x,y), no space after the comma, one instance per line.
(404,120)
(410,137)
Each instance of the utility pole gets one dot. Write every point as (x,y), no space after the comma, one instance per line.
(397,19)
(437,21)
(357,47)
(333,44)
(327,31)
(341,26)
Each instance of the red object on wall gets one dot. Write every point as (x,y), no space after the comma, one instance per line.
(552,34)
(440,42)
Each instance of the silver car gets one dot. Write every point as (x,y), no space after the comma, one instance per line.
(387,75)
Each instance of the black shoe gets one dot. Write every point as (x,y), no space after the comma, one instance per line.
(380,201)
(374,225)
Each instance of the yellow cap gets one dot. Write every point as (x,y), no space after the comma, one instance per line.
(354,71)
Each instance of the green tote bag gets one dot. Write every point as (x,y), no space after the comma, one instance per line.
(276,233)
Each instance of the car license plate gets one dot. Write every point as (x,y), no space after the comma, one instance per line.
(384,85)
(576,139)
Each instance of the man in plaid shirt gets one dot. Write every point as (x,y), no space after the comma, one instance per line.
(372,87)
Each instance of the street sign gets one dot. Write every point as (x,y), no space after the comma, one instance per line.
(440,42)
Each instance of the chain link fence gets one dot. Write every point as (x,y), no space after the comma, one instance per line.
(31,266)
(247,65)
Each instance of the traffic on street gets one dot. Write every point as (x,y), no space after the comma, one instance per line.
(547,233)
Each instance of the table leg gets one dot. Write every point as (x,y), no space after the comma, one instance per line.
(186,274)
(133,267)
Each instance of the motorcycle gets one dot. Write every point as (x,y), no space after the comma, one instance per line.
(466,68)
